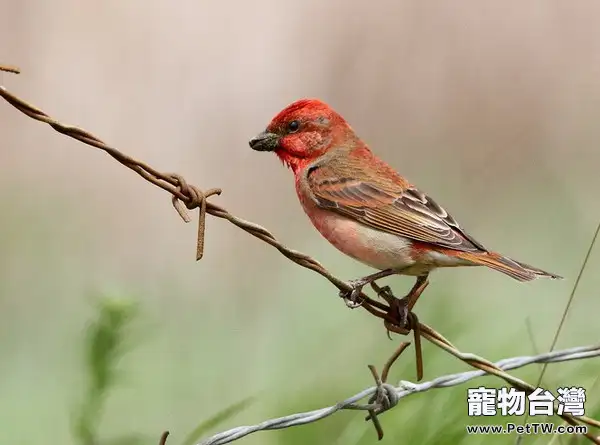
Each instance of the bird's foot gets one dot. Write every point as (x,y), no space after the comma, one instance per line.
(386,293)
(352,295)
(399,307)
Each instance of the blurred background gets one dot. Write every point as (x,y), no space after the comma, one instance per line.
(490,107)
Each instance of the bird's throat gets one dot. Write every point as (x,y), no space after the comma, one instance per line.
(294,163)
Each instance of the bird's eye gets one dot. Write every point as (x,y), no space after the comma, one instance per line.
(293,126)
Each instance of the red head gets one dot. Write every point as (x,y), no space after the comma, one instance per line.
(303,131)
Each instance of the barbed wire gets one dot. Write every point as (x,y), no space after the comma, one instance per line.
(185,195)
(10,69)
(404,389)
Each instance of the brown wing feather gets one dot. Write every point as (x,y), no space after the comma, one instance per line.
(375,195)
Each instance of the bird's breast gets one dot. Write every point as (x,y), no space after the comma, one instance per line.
(372,247)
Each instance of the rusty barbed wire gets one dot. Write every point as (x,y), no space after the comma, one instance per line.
(10,69)
(187,196)
(163,438)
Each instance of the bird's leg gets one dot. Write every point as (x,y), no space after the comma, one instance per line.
(416,291)
(357,285)
(402,306)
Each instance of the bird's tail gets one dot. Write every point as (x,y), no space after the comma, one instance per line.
(515,269)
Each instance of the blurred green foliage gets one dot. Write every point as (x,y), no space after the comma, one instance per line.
(431,417)
(104,347)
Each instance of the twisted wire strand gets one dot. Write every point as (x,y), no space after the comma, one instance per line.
(404,389)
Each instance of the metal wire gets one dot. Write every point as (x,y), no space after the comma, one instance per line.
(404,389)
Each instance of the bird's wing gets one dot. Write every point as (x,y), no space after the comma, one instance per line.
(376,196)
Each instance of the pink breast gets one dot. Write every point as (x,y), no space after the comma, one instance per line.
(375,248)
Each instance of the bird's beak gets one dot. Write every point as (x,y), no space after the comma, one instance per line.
(265,141)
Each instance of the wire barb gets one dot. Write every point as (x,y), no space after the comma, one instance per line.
(163,438)
(404,389)
(385,396)
(393,323)
(10,69)
(197,199)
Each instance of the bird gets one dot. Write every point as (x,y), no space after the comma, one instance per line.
(366,209)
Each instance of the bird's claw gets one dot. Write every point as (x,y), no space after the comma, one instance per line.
(401,308)
(352,295)
(386,293)
(398,310)
(398,306)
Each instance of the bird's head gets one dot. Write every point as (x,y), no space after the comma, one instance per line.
(304,131)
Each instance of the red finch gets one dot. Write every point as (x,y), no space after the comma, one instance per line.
(367,210)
